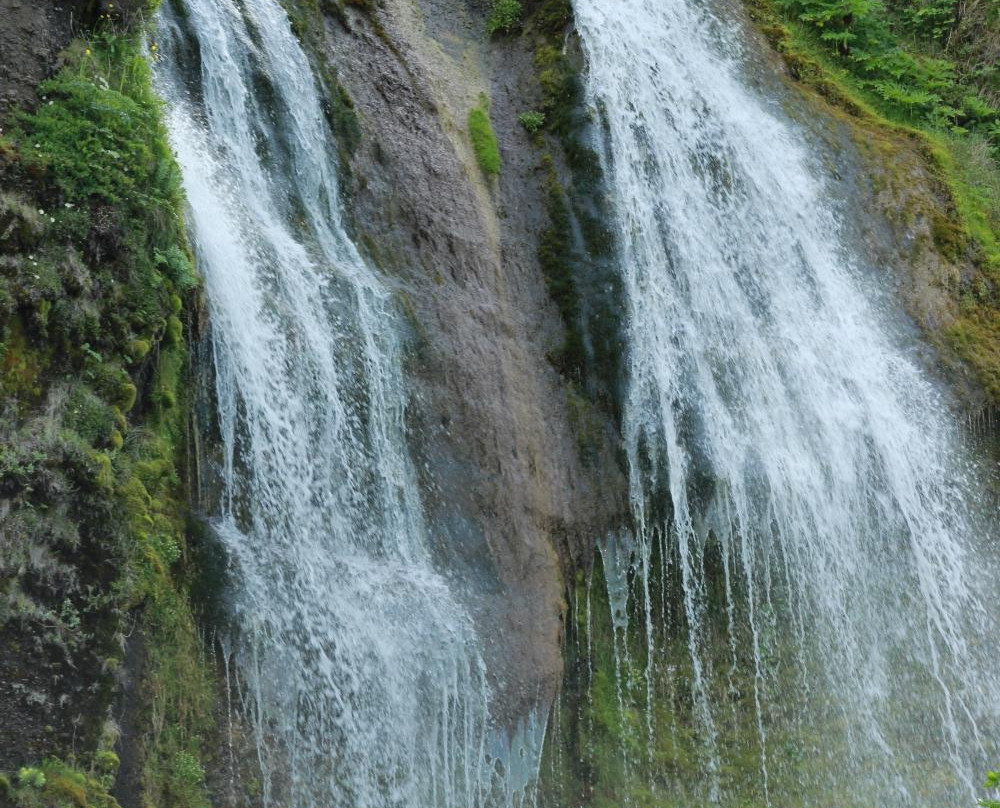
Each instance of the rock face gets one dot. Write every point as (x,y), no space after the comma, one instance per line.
(31,37)
(491,417)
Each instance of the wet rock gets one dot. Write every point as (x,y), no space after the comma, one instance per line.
(490,416)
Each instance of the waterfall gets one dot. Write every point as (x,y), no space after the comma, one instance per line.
(800,609)
(360,669)
(794,474)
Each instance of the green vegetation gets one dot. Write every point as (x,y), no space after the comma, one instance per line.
(532,121)
(993,784)
(97,288)
(56,784)
(627,728)
(919,78)
(901,54)
(505,17)
(484,142)
(610,745)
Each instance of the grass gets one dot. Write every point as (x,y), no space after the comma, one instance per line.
(532,121)
(56,784)
(484,141)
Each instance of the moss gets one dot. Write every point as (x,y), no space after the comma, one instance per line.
(56,784)
(975,336)
(138,349)
(484,141)
(308,24)
(175,331)
(22,364)
(341,115)
(587,424)
(550,18)
(576,246)
(63,788)
(119,388)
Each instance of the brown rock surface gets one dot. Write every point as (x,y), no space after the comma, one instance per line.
(490,417)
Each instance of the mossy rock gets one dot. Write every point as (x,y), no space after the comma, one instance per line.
(175,331)
(138,349)
(21,225)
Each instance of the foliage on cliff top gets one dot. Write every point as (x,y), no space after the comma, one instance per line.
(96,281)
(908,55)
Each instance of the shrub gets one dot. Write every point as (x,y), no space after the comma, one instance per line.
(175,264)
(106,762)
(484,142)
(532,120)
(30,776)
(505,17)
(186,780)
(95,141)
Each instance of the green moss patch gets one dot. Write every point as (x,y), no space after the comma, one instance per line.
(55,784)
(484,141)
(505,17)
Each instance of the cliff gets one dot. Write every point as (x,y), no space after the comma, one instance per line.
(504,271)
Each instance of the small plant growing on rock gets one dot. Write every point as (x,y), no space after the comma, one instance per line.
(532,120)
(106,762)
(484,141)
(30,776)
(993,784)
(505,17)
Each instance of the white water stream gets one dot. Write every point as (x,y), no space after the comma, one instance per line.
(363,679)
(771,409)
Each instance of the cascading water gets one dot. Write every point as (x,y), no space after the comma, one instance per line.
(794,477)
(362,675)
(802,505)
